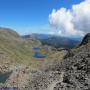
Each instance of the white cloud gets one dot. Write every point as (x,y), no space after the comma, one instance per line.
(74,21)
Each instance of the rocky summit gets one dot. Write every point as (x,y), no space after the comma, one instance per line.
(71,73)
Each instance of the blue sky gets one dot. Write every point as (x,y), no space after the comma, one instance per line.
(30,16)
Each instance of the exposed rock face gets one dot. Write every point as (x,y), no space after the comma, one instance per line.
(72,73)
(77,71)
(86,39)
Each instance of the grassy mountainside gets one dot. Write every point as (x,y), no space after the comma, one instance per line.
(13,47)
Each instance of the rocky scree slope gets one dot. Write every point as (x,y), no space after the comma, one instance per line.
(72,73)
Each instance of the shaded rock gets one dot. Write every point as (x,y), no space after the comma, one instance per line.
(86,39)
(4,76)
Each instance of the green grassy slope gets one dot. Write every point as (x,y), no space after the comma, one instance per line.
(16,50)
(13,47)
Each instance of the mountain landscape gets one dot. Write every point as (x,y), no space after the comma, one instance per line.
(44,44)
(62,69)
(17,63)
(55,41)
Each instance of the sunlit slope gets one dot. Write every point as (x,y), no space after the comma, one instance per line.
(13,47)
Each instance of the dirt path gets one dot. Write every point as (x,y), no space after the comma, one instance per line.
(53,84)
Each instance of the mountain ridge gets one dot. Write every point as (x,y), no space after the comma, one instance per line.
(55,41)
